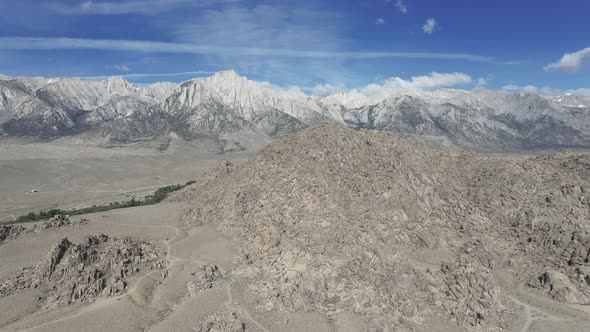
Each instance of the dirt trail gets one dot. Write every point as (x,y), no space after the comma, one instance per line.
(241,310)
(530,314)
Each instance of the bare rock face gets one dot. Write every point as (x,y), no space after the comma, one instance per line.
(468,293)
(58,222)
(97,267)
(11,232)
(559,287)
(204,279)
(226,322)
(329,217)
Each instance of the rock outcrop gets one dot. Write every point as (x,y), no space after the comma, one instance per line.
(14,231)
(208,277)
(97,267)
(223,322)
(58,222)
(11,232)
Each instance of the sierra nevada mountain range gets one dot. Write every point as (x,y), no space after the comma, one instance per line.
(227,106)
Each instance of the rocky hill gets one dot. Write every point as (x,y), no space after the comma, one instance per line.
(332,219)
(98,267)
(229,107)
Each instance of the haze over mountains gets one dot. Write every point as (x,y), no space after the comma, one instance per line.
(228,107)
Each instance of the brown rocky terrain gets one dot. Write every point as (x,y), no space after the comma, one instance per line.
(75,273)
(333,220)
(14,231)
(11,232)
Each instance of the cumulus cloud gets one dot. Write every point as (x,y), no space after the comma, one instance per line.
(429,26)
(584,93)
(327,89)
(427,82)
(569,62)
(380,21)
(481,83)
(510,88)
(120,67)
(401,6)
(549,91)
(545,91)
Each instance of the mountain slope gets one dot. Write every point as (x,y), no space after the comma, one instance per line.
(51,108)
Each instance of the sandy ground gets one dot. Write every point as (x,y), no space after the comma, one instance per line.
(73,176)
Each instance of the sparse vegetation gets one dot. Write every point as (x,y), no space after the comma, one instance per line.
(159,195)
(165,145)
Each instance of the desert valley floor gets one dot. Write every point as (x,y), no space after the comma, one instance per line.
(75,175)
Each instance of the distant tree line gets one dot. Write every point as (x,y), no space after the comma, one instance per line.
(159,195)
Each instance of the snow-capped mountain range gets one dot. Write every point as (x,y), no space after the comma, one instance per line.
(227,106)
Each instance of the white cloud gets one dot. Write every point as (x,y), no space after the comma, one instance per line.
(549,91)
(266,27)
(545,91)
(428,82)
(327,89)
(529,89)
(144,7)
(570,62)
(120,67)
(438,80)
(510,88)
(274,40)
(481,83)
(380,21)
(41,43)
(584,93)
(146,75)
(401,6)
(429,26)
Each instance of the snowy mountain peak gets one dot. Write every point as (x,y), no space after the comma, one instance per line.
(571,100)
(229,74)
(350,99)
(159,91)
(227,103)
(116,80)
(118,85)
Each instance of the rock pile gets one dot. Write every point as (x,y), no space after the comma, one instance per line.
(11,232)
(560,287)
(227,322)
(97,267)
(59,221)
(330,216)
(208,277)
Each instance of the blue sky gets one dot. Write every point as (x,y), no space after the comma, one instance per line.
(319,46)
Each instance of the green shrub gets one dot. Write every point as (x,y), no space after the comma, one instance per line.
(159,195)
